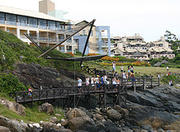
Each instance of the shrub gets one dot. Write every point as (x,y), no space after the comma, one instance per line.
(107,58)
(70,53)
(137,63)
(10,84)
(92,54)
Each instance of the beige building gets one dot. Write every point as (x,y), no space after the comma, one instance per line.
(44,29)
(92,39)
(46,6)
(135,47)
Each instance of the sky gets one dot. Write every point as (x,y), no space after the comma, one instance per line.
(149,18)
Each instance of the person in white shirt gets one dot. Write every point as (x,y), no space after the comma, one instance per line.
(79,82)
(87,81)
(167,68)
(114,66)
(92,81)
(122,68)
(124,75)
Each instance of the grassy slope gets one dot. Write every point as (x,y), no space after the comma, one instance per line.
(12,48)
(139,69)
(32,114)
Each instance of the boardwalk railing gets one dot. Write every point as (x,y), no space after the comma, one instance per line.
(65,92)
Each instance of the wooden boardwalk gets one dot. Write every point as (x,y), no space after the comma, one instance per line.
(67,94)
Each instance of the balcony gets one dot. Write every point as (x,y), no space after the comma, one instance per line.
(2,21)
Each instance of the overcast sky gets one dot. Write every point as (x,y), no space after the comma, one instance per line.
(149,18)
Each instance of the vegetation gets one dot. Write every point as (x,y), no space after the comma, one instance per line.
(13,51)
(10,84)
(173,78)
(32,114)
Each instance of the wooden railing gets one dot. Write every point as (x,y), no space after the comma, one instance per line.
(58,93)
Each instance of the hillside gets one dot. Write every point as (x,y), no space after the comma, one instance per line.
(19,61)
(11,50)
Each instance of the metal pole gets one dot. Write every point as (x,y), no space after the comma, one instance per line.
(87,40)
(66,39)
(29,37)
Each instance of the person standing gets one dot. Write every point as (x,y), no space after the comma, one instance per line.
(122,68)
(167,68)
(79,82)
(87,81)
(92,81)
(114,66)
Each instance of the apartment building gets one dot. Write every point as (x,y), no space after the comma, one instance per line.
(99,41)
(44,29)
(135,47)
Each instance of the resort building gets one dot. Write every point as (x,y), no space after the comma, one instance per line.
(44,29)
(135,47)
(99,41)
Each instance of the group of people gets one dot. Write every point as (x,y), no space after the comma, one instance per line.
(124,75)
(98,81)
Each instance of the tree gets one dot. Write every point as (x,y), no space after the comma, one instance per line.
(172,38)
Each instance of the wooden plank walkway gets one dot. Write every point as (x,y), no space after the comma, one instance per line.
(66,92)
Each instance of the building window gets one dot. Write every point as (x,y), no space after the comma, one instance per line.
(32,22)
(2,18)
(11,19)
(58,26)
(42,24)
(51,25)
(22,21)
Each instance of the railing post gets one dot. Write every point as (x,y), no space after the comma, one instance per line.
(134,83)
(39,94)
(158,81)
(151,82)
(144,83)
(104,95)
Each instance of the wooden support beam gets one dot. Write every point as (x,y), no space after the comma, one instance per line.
(66,39)
(87,40)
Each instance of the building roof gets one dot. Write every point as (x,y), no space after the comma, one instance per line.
(28,13)
(160,49)
(130,50)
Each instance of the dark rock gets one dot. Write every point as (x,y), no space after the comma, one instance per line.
(13,125)
(160,130)
(80,123)
(114,115)
(147,127)
(149,115)
(75,113)
(121,110)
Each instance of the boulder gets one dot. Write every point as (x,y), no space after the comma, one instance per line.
(144,115)
(78,119)
(47,108)
(13,125)
(121,110)
(4,129)
(80,123)
(98,117)
(19,109)
(75,113)
(53,119)
(114,115)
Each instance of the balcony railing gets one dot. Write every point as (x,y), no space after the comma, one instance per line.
(11,23)
(2,21)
